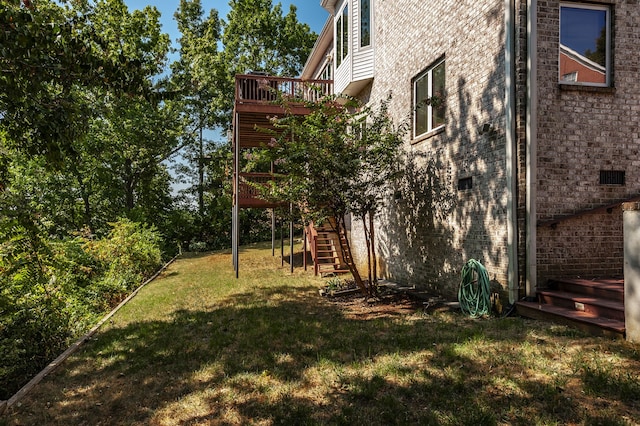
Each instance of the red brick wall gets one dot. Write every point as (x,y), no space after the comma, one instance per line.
(580,132)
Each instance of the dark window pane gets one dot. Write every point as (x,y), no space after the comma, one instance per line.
(339,41)
(438,105)
(365,23)
(422,109)
(345,31)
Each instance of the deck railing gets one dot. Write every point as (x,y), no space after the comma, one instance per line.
(255,88)
(249,192)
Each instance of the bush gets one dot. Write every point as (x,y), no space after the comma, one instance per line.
(52,291)
(131,252)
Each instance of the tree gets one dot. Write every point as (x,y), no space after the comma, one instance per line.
(256,36)
(196,76)
(380,166)
(338,159)
(48,52)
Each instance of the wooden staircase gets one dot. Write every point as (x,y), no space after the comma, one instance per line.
(596,306)
(327,250)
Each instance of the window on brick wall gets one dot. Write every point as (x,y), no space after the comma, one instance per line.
(342,35)
(429,99)
(585,44)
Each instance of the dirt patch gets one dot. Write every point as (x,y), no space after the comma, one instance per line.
(388,304)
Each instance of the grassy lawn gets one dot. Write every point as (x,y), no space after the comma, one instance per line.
(198,346)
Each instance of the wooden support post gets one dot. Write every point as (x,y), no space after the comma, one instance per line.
(316,267)
(273,232)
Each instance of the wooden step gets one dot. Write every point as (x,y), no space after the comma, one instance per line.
(335,271)
(612,289)
(582,320)
(579,302)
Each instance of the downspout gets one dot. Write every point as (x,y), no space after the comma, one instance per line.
(511,150)
(532,147)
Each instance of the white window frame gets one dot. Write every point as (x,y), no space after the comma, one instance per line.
(342,46)
(600,7)
(327,70)
(428,73)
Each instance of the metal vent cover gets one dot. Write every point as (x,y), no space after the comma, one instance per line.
(465,183)
(612,177)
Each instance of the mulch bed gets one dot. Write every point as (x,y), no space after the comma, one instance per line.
(389,303)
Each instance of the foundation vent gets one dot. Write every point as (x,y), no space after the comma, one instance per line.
(465,183)
(612,177)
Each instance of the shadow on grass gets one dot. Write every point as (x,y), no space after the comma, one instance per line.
(281,356)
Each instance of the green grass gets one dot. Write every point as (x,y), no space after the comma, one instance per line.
(198,346)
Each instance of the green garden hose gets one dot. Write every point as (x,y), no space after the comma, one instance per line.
(474,294)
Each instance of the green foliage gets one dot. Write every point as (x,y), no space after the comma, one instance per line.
(340,158)
(131,251)
(50,56)
(52,290)
(258,37)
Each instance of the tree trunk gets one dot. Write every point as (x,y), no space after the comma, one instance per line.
(373,250)
(367,239)
(201,174)
(84,194)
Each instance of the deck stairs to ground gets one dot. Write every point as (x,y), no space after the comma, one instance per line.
(596,306)
(328,250)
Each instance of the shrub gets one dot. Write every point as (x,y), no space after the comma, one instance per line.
(131,252)
(51,291)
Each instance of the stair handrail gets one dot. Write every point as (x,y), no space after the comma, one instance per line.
(553,223)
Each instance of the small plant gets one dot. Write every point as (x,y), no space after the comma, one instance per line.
(334,283)
(198,246)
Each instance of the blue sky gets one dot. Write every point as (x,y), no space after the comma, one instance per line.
(308,11)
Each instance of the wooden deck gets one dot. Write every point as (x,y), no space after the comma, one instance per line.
(257,99)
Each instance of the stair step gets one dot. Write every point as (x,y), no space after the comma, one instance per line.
(335,271)
(612,289)
(579,319)
(579,302)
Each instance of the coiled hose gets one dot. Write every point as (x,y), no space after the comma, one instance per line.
(474,294)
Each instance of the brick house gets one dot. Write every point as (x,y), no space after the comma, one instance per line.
(525,165)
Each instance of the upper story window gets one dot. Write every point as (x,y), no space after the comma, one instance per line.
(342,35)
(327,71)
(429,99)
(365,23)
(585,44)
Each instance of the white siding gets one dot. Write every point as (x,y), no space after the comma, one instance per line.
(363,64)
(359,63)
(343,76)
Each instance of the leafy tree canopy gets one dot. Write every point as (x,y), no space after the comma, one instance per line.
(52,54)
